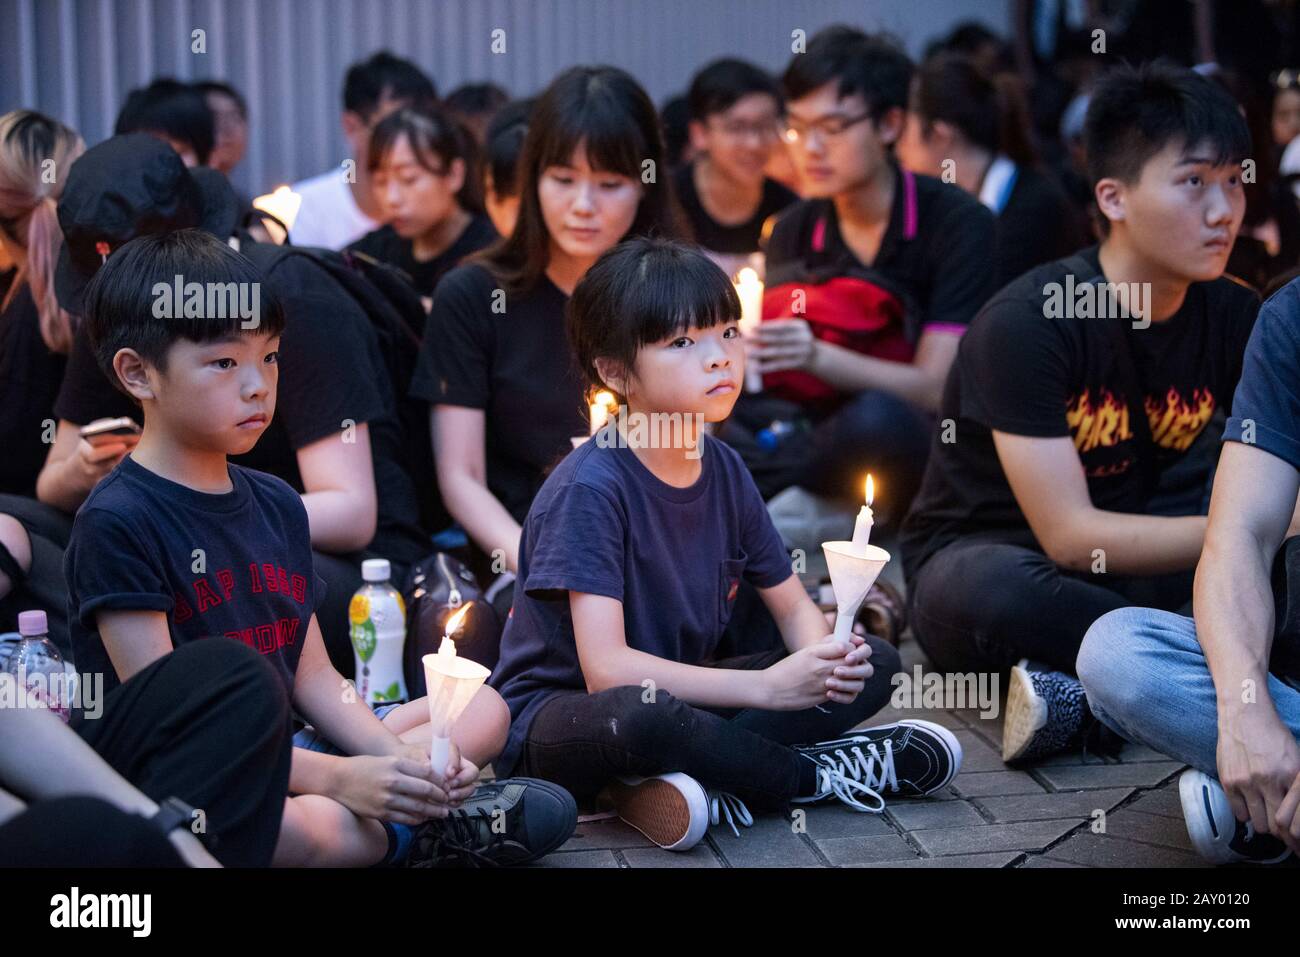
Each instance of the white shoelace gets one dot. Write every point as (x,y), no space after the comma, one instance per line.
(723,805)
(856,771)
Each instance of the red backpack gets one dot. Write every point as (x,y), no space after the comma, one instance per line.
(844,302)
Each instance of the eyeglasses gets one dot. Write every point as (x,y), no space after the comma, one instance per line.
(828,127)
(738,129)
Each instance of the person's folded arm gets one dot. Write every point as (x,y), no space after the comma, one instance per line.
(338,480)
(919,382)
(1047,479)
(1258,757)
(608,662)
(459,444)
(800,621)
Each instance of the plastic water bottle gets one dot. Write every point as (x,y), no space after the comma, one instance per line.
(377,616)
(37,666)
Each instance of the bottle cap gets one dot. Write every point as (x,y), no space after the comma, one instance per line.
(374,570)
(33,623)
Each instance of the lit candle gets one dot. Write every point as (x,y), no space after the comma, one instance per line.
(283,204)
(750,290)
(447,646)
(600,410)
(451,682)
(862,530)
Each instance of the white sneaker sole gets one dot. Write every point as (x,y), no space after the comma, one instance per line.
(949,741)
(1025,714)
(670,809)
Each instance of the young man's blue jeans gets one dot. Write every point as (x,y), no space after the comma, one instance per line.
(1147,678)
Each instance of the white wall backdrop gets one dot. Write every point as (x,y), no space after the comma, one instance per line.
(75,59)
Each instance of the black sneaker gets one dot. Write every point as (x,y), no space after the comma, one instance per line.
(1046,713)
(910,759)
(511,821)
(1215,831)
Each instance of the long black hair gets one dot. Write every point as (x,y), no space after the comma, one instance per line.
(606,110)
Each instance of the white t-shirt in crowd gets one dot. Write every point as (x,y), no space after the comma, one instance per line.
(329,217)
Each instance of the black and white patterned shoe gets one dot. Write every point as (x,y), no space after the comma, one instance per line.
(1046,713)
(1215,831)
(910,758)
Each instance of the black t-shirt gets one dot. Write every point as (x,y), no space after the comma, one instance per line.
(509,357)
(30,375)
(740,238)
(385,245)
(236,564)
(942,269)
(1036,226)
(331,373)
(1024,370)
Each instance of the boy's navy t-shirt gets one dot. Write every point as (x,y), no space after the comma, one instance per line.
(233,565)
(604,524)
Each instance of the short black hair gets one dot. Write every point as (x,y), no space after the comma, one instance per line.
(473,99)
(436,139)
(224,89)
(385,75)
(504,143)
(120,301)
(1134,113)
(718,86)
(643,291)
(873,66)
(674,124)
(177,110)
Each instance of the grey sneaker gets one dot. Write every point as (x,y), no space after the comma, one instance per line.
(511,821)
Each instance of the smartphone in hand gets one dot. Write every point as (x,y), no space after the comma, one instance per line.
(108,431)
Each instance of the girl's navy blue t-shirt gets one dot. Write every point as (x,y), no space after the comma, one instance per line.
(235,565)
(605,525)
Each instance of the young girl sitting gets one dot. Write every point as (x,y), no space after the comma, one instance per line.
(421,166)
(629,563)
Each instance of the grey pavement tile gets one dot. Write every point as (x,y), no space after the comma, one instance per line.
(1039,862)
(954,861)
(915,815)
(578,859)
(1163,801)
(979,783)
(1078,805)
(826,822)
(604,834)
(1134,753)
(1099,850)
(977,754)
(865,850)
(1145,774)
(1149,829)
(1025,836)
(769,843)
(701,855)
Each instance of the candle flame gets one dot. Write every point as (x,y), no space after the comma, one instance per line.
(606,399)
(283,203)
(746,277)
(453,623)
(871,489)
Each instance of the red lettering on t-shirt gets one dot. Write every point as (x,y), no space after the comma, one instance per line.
(268,572)
(282,578)
(181,610)
(227,581)
(286,631)
(265,639)
(299,588)
(207,597)
(254,579)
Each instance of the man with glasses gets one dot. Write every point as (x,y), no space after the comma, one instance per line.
(734,110)
(870,282)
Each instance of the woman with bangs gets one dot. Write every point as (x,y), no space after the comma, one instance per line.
(423,171)
(505,397)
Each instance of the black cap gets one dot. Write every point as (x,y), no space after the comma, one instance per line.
(129,186)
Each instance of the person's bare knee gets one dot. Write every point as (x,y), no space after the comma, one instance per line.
(14,538)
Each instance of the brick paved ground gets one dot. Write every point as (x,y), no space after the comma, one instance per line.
(991,816)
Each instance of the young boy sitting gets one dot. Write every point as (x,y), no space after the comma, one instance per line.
(177,545)
(629,563)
